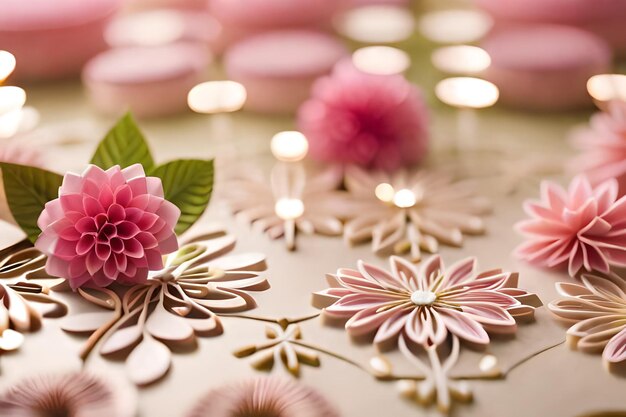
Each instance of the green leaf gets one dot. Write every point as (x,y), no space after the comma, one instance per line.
(188,183)
(28,189)
(124,145)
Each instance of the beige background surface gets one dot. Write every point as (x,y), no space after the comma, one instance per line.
(558,382)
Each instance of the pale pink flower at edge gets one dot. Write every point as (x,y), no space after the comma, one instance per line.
(596,312)
(583,227)
(107,226)
(603,146)
(376,121)
(427,302)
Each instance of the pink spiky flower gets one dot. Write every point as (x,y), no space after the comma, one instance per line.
(583,227)
(376,121)
(603,146)
(425,303)
(107,226)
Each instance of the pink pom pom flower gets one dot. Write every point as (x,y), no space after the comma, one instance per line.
(107,226)
(376,121)
(603,146)
(583,227)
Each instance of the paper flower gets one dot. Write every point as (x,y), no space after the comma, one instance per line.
(270,396)
(73,394)
(283,346)
(584,227)
(596,312)
(377,121)
(107,226)
(425,304)
(411,211)
(290,201)
(603,146)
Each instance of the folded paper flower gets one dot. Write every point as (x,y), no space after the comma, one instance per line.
(72,394)
(107,226)
(596,312)
(270,396)
(583,227)
(426,303)
(291,201)
(603,146)
(377,121)
(411,211)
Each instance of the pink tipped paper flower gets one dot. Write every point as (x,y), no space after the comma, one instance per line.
(377,121)
(583,227)
(75,394)
(270,396)
(603,146)
(596,312)
(107,226)
(426,303)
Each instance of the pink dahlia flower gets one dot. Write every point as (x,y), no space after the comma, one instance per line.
(584,227)
(426,303)
(603,146)
(376,121)
(107,226)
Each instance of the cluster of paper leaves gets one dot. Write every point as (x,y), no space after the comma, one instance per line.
(187,183)
(199,282)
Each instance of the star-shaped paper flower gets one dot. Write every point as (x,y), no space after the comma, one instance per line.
(107,226)
(411,211)
(596,312)
(583,227)
(426,303)
(603,146)
(283,346)
(290,201)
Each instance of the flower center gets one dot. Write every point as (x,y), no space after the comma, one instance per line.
(423,298)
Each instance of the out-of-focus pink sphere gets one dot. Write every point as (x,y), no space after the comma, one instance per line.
(377,121)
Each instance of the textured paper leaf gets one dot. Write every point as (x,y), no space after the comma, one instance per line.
(149,361)
(124,145)
(188,183)
(86,322)
(121,339)
(28,189)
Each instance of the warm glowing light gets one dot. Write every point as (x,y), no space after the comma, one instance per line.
(385,192)
(461,59)
(606,87)
(289,208)
(467,92)
(7,64)
(11,99)
(289,146)
(455,26)
(377,24)
(19,120)
(217,97)
(404,198)
(489,364)
(157,27)
(382,60)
